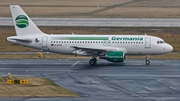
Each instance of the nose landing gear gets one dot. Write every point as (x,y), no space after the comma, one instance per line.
(147,60)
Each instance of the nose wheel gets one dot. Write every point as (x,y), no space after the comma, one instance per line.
(92,61)
(147,60)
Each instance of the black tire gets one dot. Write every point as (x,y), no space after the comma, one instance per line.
(95,60)
(147,62)
(92,62)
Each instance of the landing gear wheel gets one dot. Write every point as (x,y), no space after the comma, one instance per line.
(93,61)
(147,62)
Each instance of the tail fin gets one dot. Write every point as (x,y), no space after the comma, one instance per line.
(22,23)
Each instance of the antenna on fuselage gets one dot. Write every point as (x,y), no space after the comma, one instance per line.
(145,34)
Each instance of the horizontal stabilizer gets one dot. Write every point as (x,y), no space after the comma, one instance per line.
(19,39)
(23,40)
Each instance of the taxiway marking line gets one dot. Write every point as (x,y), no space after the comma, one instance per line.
(74,63)
(172,87)
(148,88)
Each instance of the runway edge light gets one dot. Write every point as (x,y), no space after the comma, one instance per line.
(9,76)
(40,55)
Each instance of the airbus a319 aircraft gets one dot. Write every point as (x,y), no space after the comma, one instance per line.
(113,48)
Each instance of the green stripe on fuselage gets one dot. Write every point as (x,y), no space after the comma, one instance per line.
(80,38)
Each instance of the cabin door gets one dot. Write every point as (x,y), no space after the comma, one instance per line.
(44,42)
(147,42)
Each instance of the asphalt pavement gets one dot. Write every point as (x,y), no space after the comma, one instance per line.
(128,81)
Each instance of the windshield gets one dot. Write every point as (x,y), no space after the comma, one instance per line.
(160,42)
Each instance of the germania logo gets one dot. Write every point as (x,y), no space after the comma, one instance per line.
(22,21)
(127,38)
(36,40)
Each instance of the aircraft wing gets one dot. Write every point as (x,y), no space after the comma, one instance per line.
(85,48)
(98,50)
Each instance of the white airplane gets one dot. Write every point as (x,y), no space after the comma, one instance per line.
(113,48)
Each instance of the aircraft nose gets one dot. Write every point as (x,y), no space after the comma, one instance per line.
(170,48)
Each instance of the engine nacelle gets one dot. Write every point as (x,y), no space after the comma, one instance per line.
(114,56)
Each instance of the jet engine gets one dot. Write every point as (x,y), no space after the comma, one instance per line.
(114,56)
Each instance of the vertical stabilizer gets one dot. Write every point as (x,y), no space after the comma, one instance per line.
(22,23)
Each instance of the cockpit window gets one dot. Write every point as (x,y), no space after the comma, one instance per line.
(160,42)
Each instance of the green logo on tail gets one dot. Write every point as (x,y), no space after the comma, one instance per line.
(22,21)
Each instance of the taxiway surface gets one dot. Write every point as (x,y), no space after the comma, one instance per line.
(129,81)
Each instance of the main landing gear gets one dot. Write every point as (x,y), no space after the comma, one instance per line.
(93,61)
(147,60)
